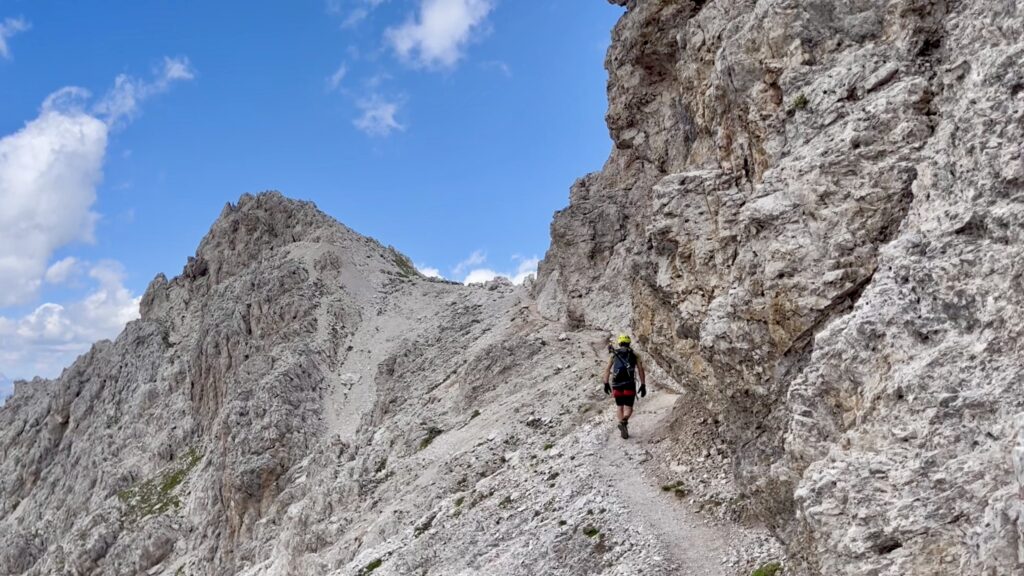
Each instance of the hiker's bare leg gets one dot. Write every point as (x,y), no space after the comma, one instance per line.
(620,410)
(625,412)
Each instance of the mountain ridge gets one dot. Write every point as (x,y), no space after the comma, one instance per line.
(811,222)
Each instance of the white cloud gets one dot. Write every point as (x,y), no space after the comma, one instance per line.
(437,37)
(48,175)
(62,270)
(428,271)
(50,337)
(378,117)
(475,259)
(334,80)
(527,267)
(49,171)
(356,14)
(355,17)
(8,29)
(122,102)
(480,275)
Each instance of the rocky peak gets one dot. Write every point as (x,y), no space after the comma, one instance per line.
(810,220)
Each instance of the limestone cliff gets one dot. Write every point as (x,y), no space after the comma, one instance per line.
(812,220)
(812,216)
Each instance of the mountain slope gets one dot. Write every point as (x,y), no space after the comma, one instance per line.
(301,400)
(811,219)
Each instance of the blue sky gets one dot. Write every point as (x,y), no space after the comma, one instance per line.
(451,129)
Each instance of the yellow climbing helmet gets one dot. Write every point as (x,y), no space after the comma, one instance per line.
(623,339)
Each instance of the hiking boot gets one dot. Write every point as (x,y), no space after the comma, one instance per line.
(623,430)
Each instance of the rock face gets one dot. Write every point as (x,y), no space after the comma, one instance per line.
(812,217)
(300,400)
(812,220)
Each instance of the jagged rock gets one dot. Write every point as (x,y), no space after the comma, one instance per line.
(811,219)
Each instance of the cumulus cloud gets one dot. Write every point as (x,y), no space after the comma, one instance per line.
(62,270)
(479,275)
(378,116)
(50,337)
(8,29)
(525,268)
(49,171)
(437,36)
(428,271)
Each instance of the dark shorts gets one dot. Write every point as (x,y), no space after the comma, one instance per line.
(624,397)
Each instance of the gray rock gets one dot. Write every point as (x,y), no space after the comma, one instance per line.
(810,219)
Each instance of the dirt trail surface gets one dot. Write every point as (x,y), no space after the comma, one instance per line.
(697,545)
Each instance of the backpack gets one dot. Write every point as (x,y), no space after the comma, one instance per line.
(623,367)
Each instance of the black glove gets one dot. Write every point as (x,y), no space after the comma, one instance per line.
(607,388)
(643,390)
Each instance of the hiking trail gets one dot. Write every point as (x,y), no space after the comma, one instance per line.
(698,546)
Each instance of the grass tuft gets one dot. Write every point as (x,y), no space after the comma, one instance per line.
(769,569)
(157,496)
(372,566)
(432,433)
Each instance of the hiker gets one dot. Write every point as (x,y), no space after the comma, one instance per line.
(620,377)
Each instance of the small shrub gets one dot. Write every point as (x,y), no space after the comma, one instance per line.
(372,566)
(769,569)
(156,496)
(459,501)
(548,446)
(474,414)
(562,522)
(591,532)
(505,502)
(800,102)
(432,433)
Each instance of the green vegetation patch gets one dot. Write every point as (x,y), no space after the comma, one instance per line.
(800,102)
(677,488)
(432,433)
(372,566)
(157,495)
(769,569)
(405,267)
(591,532)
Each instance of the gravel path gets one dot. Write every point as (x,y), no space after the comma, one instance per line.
(698,546)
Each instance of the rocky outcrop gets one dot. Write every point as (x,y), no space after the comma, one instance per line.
(812,218)
(301,401)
